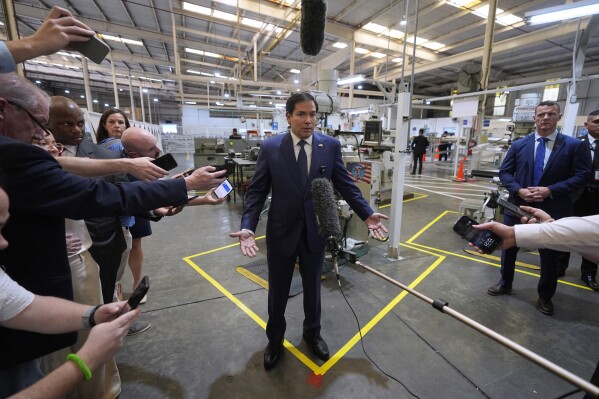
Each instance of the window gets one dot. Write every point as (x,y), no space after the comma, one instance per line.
(551,92)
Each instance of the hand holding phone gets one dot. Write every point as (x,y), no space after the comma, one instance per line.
(514,209)
(485,240)
(166,162)
(137,296)
(229,166)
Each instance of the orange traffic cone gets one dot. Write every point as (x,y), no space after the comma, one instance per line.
(437,154)
(460,176)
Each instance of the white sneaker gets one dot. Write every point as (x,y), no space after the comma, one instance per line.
(138,327)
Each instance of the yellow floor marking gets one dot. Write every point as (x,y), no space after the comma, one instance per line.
(498,258)
(477,259)
(318,370)
(408,200)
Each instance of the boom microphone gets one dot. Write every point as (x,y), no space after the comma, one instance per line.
(325,207)
(314,18)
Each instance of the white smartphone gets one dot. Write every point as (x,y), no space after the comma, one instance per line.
(223,190)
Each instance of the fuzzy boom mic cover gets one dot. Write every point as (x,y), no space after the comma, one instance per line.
(325,208)
(314,18)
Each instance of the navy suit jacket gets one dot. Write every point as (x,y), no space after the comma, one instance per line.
(41,196)
(567,171)
(277,169)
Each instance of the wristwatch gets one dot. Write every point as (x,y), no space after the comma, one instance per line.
(88,316)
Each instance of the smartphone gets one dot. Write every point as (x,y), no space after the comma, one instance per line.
(94,49)
(486,240)
(192,197)
(137,296)
(166,162)
(229,166)
(223,190)
(513,209)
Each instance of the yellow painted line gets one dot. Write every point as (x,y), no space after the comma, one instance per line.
(379,316)
(477,259)
(415,236)
(251,276)
(498,258)
(318,370)
(408,200)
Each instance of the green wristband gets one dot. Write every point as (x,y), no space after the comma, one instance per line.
(87,373)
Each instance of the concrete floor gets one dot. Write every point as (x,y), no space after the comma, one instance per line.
(207,337)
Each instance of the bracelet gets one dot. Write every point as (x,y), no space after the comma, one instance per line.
(92,321)
(87,373)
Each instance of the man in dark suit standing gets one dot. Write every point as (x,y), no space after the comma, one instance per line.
(419,146)
(588,202)
(542,170)
(287,164)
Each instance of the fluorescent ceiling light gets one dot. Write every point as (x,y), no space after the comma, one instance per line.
(252,23)
(361,50)
(463,3)
(219,103)
(340,45)
(204,53)
(419,40)
(397,59)
(69,54)
(396,34)
(350,80)
(224,15)
(483,11)
(378,55)
(376,28)
(190,102)
(195,8)
(559,13)
(433,45)
(122,40)
(294,71)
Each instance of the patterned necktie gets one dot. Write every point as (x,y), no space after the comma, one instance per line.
(302,163)
(539,160)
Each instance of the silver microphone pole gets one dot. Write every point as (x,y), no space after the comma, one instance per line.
(443,307)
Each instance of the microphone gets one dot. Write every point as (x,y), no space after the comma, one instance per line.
(314,18)
(325,208)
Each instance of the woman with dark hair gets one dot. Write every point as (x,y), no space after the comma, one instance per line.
(112,125)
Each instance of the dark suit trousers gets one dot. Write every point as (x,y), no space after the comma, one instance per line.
(280,273)
(107,254)
(417,160)
(549,267)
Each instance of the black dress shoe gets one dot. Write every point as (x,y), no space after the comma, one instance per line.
(545,306)
(590,282)
(272,355)
(498,289)
(318,346)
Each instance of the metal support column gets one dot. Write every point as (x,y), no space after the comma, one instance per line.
(88,92)
(131,98)
(114,85)
(141,97)
(486,66)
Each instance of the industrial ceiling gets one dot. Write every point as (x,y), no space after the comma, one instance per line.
(250,49)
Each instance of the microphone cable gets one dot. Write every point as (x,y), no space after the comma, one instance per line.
(364,349)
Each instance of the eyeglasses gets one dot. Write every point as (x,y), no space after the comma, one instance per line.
(33,118)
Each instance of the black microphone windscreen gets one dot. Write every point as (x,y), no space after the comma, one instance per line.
(314,18)
(325,207)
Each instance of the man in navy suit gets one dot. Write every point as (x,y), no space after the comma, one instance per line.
(287,165)
(542,170)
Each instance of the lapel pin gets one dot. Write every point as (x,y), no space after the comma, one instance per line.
(321,145)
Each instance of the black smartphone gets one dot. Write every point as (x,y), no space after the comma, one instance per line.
(513,209)
(229,166)
(485,240)
(137,296)
(223,190)
(94,49)
(166,162)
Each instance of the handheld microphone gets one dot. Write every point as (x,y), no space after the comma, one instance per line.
(314,18)
(325,208)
